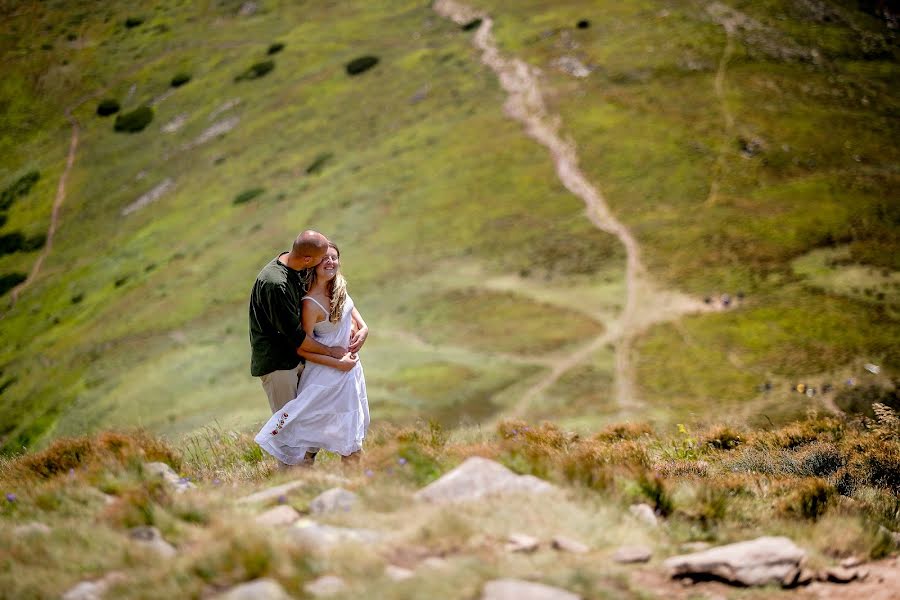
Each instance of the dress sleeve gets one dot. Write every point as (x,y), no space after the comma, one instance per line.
(286,320)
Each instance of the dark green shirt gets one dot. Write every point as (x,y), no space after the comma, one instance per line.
(275,329)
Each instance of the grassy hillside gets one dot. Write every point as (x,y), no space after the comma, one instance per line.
(475,268)
(829,484)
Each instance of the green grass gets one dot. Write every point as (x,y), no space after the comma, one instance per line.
(452,223)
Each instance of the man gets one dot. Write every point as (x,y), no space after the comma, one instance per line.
(275,330)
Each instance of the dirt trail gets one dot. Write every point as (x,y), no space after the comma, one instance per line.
(644,303)
(730,23)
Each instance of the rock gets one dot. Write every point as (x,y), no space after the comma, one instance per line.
(435,562)
(694,546)
(632,554)
(572,66)
(519,542)
(333,500)
(478,477)
(840,574)
(248,9)
(93,590)
(644,513)
(565,544)
(258,589)
(761,561)
(157,192)
(280,515)
(31,528)
(151,539)
(517,589)
(161,469)
(175,124)
(327,585)
(275,492)
(850,562)
(317,536)
(395,573)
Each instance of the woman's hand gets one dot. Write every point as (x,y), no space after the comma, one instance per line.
(358,339)
(348,361)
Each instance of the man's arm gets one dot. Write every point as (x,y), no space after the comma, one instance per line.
(362,332)
(288,323)
(310,312)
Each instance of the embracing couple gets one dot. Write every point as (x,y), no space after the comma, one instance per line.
(305,335)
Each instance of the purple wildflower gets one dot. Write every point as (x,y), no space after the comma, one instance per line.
(282,499)
(401,461)
(370,473)
(10,497)
(217,481)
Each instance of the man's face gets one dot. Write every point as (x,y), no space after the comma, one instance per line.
(315,259)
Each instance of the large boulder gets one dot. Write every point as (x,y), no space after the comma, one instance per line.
(258,589)
(762,561)
(333,500)
(478,477)
(167,474)
(517,589)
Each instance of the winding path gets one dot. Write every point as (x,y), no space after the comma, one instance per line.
(644,303)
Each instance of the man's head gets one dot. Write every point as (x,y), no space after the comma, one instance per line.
(307,251)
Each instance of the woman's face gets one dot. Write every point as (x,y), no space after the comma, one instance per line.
(328,268)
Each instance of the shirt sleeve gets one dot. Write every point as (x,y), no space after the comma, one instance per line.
(286,321)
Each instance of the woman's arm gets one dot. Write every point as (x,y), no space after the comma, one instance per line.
(362,332)
(310,315)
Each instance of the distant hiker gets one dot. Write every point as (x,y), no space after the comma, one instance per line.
(276,335)
(331,407)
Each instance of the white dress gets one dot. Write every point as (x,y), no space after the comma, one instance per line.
(331,410)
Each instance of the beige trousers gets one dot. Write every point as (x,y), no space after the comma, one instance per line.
(281,386)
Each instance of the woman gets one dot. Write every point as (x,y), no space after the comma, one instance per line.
(331,410)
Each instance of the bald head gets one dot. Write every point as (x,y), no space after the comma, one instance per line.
(308,250)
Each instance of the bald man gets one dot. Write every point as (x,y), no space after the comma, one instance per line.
(275,330)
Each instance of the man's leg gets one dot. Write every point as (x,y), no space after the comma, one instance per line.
(281,386)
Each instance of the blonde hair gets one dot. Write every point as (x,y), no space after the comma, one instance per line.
(337,290)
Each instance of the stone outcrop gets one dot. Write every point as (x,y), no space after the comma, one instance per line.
(765,560)
(479,477)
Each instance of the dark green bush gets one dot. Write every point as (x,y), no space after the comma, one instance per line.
(248,195)
(808,499)
(10,280)
(135,120)
(256,71)
(107,107)
(275,48)
(11,243)
(361,64)
(319,163)
(2,219)
(132,22)
(20,187)
(859,400)
(471,25)
(180,79)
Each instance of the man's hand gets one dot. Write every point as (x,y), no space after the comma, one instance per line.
(358,339)
(348,361)
(337,351)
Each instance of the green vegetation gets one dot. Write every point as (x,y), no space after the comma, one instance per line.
(134,121)
(256,70)
(275,48)
(18,189)
(180,79)
(109,106)
(248,195)
(361,65)
(132,22)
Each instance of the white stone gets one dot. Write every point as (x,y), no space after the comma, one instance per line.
(519,542)
(435,562)
(632,554)
(517,589)
(157,192)
(327,585)
(31,528)
(150,539)
(478,477)
(566,544)
(278,516)
(93,590)
(333,500)
(395,573)
(258,589)
(317,536)
(572,66)
(644,513)
(761,561)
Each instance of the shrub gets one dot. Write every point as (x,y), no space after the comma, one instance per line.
(820,459)
(248,195)
(471,25)
(653,487)
(3,219)
(135,120)
(859,400)
(319,163)
(11,243)
(275,48)
(132,22)
(180,79)
(624,431)
(722,437)
(19,188)
(108,106)
(10,280)
(256,71)
(361,65)
(809,498)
